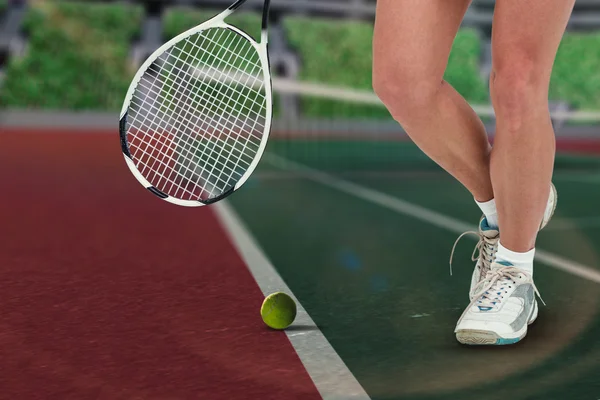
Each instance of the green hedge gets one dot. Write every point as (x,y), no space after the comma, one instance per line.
(340,53)
(463,67)
(344,59)
(76,58)
(576,74)
(179,19)
(337,53)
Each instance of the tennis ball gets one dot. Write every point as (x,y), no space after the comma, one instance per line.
(278,310)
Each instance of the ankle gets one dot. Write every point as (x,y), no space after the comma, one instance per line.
(488,208)
(519,260)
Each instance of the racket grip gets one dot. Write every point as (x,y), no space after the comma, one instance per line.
(265,17)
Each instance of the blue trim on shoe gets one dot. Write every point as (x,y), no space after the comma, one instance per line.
(501,341)
(505,263)
(484,225)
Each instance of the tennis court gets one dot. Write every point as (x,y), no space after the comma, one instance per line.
(368,257)
(110,293)
(359,227)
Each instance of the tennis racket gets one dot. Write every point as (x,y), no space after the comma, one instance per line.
(197,115)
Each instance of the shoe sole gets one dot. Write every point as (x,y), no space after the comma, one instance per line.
(475,337)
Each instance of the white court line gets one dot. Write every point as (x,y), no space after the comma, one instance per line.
(573,223)
(330,375)
(431,217)
(288,175)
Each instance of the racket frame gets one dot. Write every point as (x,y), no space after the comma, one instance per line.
(261,48)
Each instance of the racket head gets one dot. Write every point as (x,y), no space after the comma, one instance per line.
(187,144)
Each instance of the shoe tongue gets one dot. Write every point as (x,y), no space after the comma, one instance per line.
(490,233)
(490,293)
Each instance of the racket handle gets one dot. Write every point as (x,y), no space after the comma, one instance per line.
(265,18)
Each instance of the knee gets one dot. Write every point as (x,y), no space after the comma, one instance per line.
(405,93)
(517,90)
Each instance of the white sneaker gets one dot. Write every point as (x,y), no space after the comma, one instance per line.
(487,246)
(550,207)
(503,306)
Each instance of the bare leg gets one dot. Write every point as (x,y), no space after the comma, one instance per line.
(525,39)
(412,43)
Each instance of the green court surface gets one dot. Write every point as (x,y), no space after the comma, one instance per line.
(376,280)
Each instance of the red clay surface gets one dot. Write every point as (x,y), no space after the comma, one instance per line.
(110,293)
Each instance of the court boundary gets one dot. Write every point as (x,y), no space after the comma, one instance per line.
(329,373)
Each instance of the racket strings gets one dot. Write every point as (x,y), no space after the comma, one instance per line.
(227,106)
(220,153)
(256,79)
(198,115)
(150,149)
(241,154)
(184,133)
(257,121)
(233,170)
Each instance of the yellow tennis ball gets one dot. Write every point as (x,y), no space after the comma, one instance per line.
(278,310)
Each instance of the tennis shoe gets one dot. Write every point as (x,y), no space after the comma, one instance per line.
(503,306)
(487,246)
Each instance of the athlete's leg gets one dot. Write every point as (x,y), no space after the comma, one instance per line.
(526,35)
(412,43)
(525,39)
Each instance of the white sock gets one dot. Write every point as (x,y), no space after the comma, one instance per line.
(491,213)
(522,261)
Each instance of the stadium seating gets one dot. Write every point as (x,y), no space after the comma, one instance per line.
(77,57)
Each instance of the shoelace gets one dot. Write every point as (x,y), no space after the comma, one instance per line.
(484,249)
(492,283)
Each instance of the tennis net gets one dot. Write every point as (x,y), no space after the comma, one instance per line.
(342,130)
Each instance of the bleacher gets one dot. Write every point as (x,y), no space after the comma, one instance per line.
(585,17)
(70,48)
